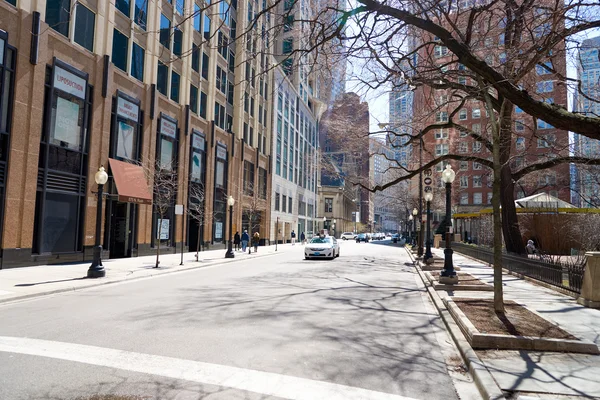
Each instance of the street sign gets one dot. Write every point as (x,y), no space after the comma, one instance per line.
(178,209)
(427,181)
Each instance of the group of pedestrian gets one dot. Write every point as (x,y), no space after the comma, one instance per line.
(244,240)
(293,237)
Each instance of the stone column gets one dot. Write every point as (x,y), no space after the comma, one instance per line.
(590,288)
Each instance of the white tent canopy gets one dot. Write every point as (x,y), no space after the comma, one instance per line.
(542,200)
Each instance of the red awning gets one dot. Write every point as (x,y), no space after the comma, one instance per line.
(131,182)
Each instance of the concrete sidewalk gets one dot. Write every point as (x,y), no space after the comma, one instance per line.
(21,283)
(561,374)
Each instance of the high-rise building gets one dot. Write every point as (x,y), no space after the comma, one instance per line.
(344,142)
(586,184)
(386,202)
(122,84)
(535,140)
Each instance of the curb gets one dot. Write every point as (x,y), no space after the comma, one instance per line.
(487,386)
(159,272)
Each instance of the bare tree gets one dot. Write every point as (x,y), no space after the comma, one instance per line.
(253,208)
(197,211)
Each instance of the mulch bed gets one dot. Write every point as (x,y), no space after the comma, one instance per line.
(463,278)
(517,320)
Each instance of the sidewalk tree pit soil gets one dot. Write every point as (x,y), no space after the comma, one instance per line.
(463,278)
(517,320)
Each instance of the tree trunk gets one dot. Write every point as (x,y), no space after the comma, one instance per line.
(497,222)
(510,223)
(198,243)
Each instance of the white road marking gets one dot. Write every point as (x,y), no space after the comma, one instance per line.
(288,387)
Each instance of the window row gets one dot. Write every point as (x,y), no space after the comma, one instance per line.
(283,203)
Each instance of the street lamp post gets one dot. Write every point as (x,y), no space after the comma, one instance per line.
(333,226)
(96,270)
(230,202)
(428,255)
(448,275)
(415,212)
(409,228)
(324,220)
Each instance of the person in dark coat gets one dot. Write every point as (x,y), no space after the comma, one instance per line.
(237,240)
(245,240)
(256,241)
(302,237)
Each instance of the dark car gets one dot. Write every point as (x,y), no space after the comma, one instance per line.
(362,237)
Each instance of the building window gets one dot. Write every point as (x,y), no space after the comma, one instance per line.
(203,100)
(205,65)
(462,115)
(290,204)
(441,149)
(177,41)
(194,99)
(546,141)
(476,165)
(284,203)
(85,22)
(196,58)
(547,179)
(477,198)
(476,113)
(288,45)
(520,143)
(440,51)
(476,181)
(165,31)
(221,82)
(477,147)
(277,200)
(328,204)
(58,14)
(463,147)
(441,116)
(541,70)
(179,6)
(248,178)
(464,198)
(123,6)
(119,50)
(162,81)
(206,27)
(175,86)
(137,62)
(464,181)
(464,165)
(262,183)
(441,134)
(519,126)
(197,16)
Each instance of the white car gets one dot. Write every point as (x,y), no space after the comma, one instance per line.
(322,247)
(348,236)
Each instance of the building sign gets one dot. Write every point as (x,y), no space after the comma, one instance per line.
(69,82)
(163,229)
(66,128)
(221,153)
(127,109)
(168,128)
(198,142)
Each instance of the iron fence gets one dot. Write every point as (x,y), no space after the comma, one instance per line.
(566,275)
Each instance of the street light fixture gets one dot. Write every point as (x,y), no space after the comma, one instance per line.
(96,270)
(428,255)
(448,275)
(415,212)
(230,203)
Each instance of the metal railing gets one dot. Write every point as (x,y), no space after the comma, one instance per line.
(568,276)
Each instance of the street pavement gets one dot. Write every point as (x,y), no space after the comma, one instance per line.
(264,326)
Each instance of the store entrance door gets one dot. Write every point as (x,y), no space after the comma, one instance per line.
(121,234)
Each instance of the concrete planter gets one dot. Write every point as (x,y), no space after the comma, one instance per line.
(480,340)
(440,286)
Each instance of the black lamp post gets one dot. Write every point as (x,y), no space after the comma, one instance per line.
(230,202)
(96,270)
(448,275)
(333,226)
(324,221)
(428,255)
(415,212)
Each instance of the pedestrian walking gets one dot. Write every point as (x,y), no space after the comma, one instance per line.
(293,235)
(245,240)
(255,241)
(531,247)
(302,237)
(237,240)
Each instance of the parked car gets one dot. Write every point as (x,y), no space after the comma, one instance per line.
(362,237)
(322,247)
(348,236)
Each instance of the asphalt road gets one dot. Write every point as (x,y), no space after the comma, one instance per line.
(358,327)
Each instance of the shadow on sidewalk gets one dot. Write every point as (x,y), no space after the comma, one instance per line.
(43,283)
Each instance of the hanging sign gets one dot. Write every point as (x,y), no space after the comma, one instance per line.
(127,109)
(69,82)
